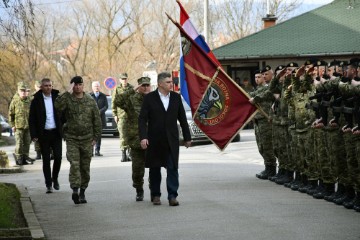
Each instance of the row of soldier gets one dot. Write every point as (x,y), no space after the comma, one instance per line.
(312,129)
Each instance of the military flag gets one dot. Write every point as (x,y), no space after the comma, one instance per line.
(189,28)
(220,108)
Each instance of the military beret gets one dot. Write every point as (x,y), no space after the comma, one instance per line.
(265,69)
(334,63)
(321,63)
(143,80)
(354,62)
(77,80)
(311,61)
(123,76)
(343,63)
(292,64)
(257,72)
(22,86)
(280,67)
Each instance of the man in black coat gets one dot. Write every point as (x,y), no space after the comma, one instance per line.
(159,135)
(46,128)
(102,103)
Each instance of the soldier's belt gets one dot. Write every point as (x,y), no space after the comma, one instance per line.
(348,110)
(337,109)
(325,103)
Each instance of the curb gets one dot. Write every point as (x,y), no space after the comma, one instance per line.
(29,214)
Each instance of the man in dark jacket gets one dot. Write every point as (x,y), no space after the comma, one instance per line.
(102,103)
(45,128)
(159,135)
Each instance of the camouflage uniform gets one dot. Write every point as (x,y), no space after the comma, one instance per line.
(121,114)
(82,126)
(19,118)
(131,101)
(263,129)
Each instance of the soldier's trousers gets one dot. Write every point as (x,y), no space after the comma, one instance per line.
(324,164)
(23,141)
(78,153)
(138,167)
(37,147)
(352,164)
(263,134)
(337,155)
(281,145)
(357,148)
(122,133)
(293,153)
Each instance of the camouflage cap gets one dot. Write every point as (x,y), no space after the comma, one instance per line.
(123,76)
(76,80)
(38,83)
(22,86)
(143,80)
(265,69)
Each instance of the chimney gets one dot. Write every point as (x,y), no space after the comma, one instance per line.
(269,20)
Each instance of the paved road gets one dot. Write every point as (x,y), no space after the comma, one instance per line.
(219,199)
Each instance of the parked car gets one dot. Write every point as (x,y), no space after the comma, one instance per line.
(110,124)
(5,127)
(197,135)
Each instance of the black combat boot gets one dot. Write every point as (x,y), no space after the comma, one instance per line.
(303,182)
(271,172)
(329,188)
(339,192)
(357,202)
(313,187)
(75,195)
(82,198)
(296,182)
(347,197)
(124,158)
(288,177)
(319,188)
(280,173)
(18,159)
(139,194)
(27,160)
(38,155)
(263,173)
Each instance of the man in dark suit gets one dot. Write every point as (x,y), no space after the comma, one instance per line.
(159,135)
(102,104)
(45,128)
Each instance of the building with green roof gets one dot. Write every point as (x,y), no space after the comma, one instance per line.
(329,32)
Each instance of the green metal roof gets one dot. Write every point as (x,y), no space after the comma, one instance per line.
(333,29)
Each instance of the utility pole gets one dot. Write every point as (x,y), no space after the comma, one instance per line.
(206,18)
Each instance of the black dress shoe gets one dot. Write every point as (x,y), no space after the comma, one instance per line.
(49,190)
(98,154)
(56,185)
(173,202)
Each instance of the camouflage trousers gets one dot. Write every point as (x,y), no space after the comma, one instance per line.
(122,132)
(307,158)
(281,145)
(352,164)
(323,159)
(138,167)
(263,134)
(293,155)
(37,147)
(357,149)
(78,153)
(23,141)
(337,155)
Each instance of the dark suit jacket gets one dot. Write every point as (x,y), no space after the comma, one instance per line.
(37,115)
(160,128)
(102,104)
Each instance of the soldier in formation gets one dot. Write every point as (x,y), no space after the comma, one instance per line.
(316,109)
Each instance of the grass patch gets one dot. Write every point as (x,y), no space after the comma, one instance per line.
(10,207)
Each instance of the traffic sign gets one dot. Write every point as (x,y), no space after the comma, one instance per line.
(110,83)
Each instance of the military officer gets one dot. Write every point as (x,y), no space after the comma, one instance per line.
(81,131)
(130,101)
(19,121)
(120,115)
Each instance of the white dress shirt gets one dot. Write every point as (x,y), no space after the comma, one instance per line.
(165,99)
(50,120)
